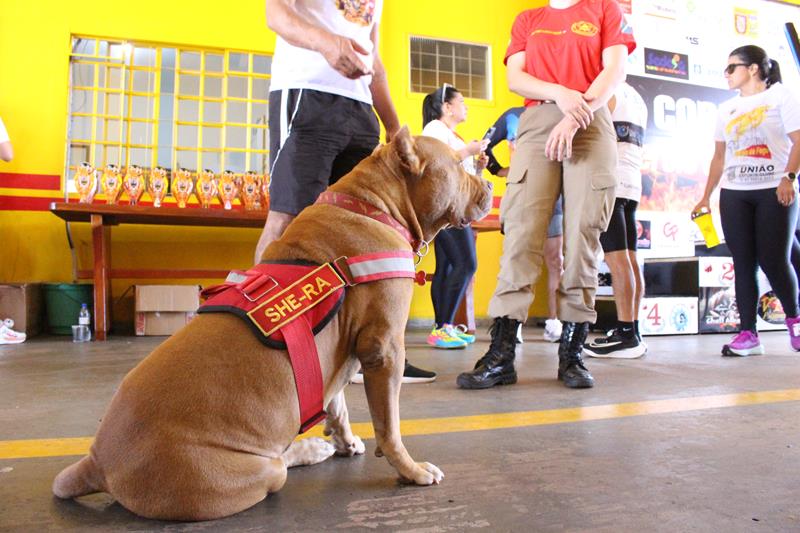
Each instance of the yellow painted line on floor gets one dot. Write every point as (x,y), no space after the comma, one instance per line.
(26,449)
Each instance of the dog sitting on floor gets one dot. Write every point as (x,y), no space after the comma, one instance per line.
(205,426)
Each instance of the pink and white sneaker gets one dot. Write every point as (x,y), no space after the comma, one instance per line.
(8,335)
(744,344)
(793,325)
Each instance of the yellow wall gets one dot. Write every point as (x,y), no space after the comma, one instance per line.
(34,52)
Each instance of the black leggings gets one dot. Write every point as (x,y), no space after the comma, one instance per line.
(795,255)
(456,262)
(759,232)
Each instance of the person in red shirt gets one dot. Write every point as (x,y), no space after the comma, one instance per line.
(566,59)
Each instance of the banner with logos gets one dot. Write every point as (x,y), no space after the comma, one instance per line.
(683,47)
(690,40)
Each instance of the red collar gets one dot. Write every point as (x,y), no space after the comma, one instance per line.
(356,205)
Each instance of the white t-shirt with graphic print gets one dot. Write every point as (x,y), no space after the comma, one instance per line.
(439,130)
(629,108)
(755,132)
(294,67)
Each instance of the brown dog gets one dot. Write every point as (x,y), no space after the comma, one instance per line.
(204,426)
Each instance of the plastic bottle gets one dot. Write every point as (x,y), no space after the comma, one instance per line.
(81,332)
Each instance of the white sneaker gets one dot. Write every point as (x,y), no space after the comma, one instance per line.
(552,330)
(8,335)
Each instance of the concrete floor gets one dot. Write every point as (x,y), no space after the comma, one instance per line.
(699,468)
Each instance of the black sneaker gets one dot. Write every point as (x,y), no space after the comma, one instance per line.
(411,374)
(615,345)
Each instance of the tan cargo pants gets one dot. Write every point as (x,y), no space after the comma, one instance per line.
(588,180)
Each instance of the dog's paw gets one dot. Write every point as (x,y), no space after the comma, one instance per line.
(349,449)
(378,451)
(424,474)
(308,452)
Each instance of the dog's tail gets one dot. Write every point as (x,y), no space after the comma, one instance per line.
(78,479)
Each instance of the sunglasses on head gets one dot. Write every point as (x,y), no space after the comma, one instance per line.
(730,68)
(445,85)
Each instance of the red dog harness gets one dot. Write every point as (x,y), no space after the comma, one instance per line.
(287,304)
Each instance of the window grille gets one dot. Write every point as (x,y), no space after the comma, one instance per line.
(148,105)
(464,65)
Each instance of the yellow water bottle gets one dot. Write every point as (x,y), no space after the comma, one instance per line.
(704,221)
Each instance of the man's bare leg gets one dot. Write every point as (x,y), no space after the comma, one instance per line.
(273,229)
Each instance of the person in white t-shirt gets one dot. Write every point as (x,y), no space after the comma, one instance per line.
(629,113)
(456,257)
(756,160)
(6,150)
(326,78)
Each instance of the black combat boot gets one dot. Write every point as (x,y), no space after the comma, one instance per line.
(497,366)
(571,369)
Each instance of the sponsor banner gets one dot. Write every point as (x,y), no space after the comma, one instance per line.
(670,234)
(678,145)
(665,63)
(604,280)
(715,272)
(668,316)
(745,22)
(718,311)
(644,240)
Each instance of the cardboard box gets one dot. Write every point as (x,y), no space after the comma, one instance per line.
(164,309)
(23,304)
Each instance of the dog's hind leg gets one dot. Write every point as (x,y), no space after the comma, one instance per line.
(307,452)
(78,479)
(337,425)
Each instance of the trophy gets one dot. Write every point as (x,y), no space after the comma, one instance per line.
(251,191)
(182,186)
(158,184)
(228,190)
(133,183)
(206,188)
(265,190)
(111,183)
(85,182)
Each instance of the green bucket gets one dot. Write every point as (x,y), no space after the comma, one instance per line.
(63,301)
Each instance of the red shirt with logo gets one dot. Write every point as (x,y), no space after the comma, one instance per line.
(565,46)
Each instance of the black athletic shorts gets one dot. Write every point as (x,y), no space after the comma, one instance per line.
(621,232)
(315,139)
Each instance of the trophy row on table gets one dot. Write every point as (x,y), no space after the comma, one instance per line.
(251,188)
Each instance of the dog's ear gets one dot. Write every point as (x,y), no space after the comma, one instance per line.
(406,150)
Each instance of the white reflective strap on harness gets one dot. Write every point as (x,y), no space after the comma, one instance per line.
(382,265)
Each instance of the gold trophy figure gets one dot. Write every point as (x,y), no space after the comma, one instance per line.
(228,190)
(85,182)
(111,183)
(158,184)
(251,191)
(182,186)
(265,190)
(206,188)
(133,183)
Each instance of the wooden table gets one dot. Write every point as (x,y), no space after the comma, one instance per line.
(103,216)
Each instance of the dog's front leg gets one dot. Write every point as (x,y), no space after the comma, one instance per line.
(382,364)
(337,425)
